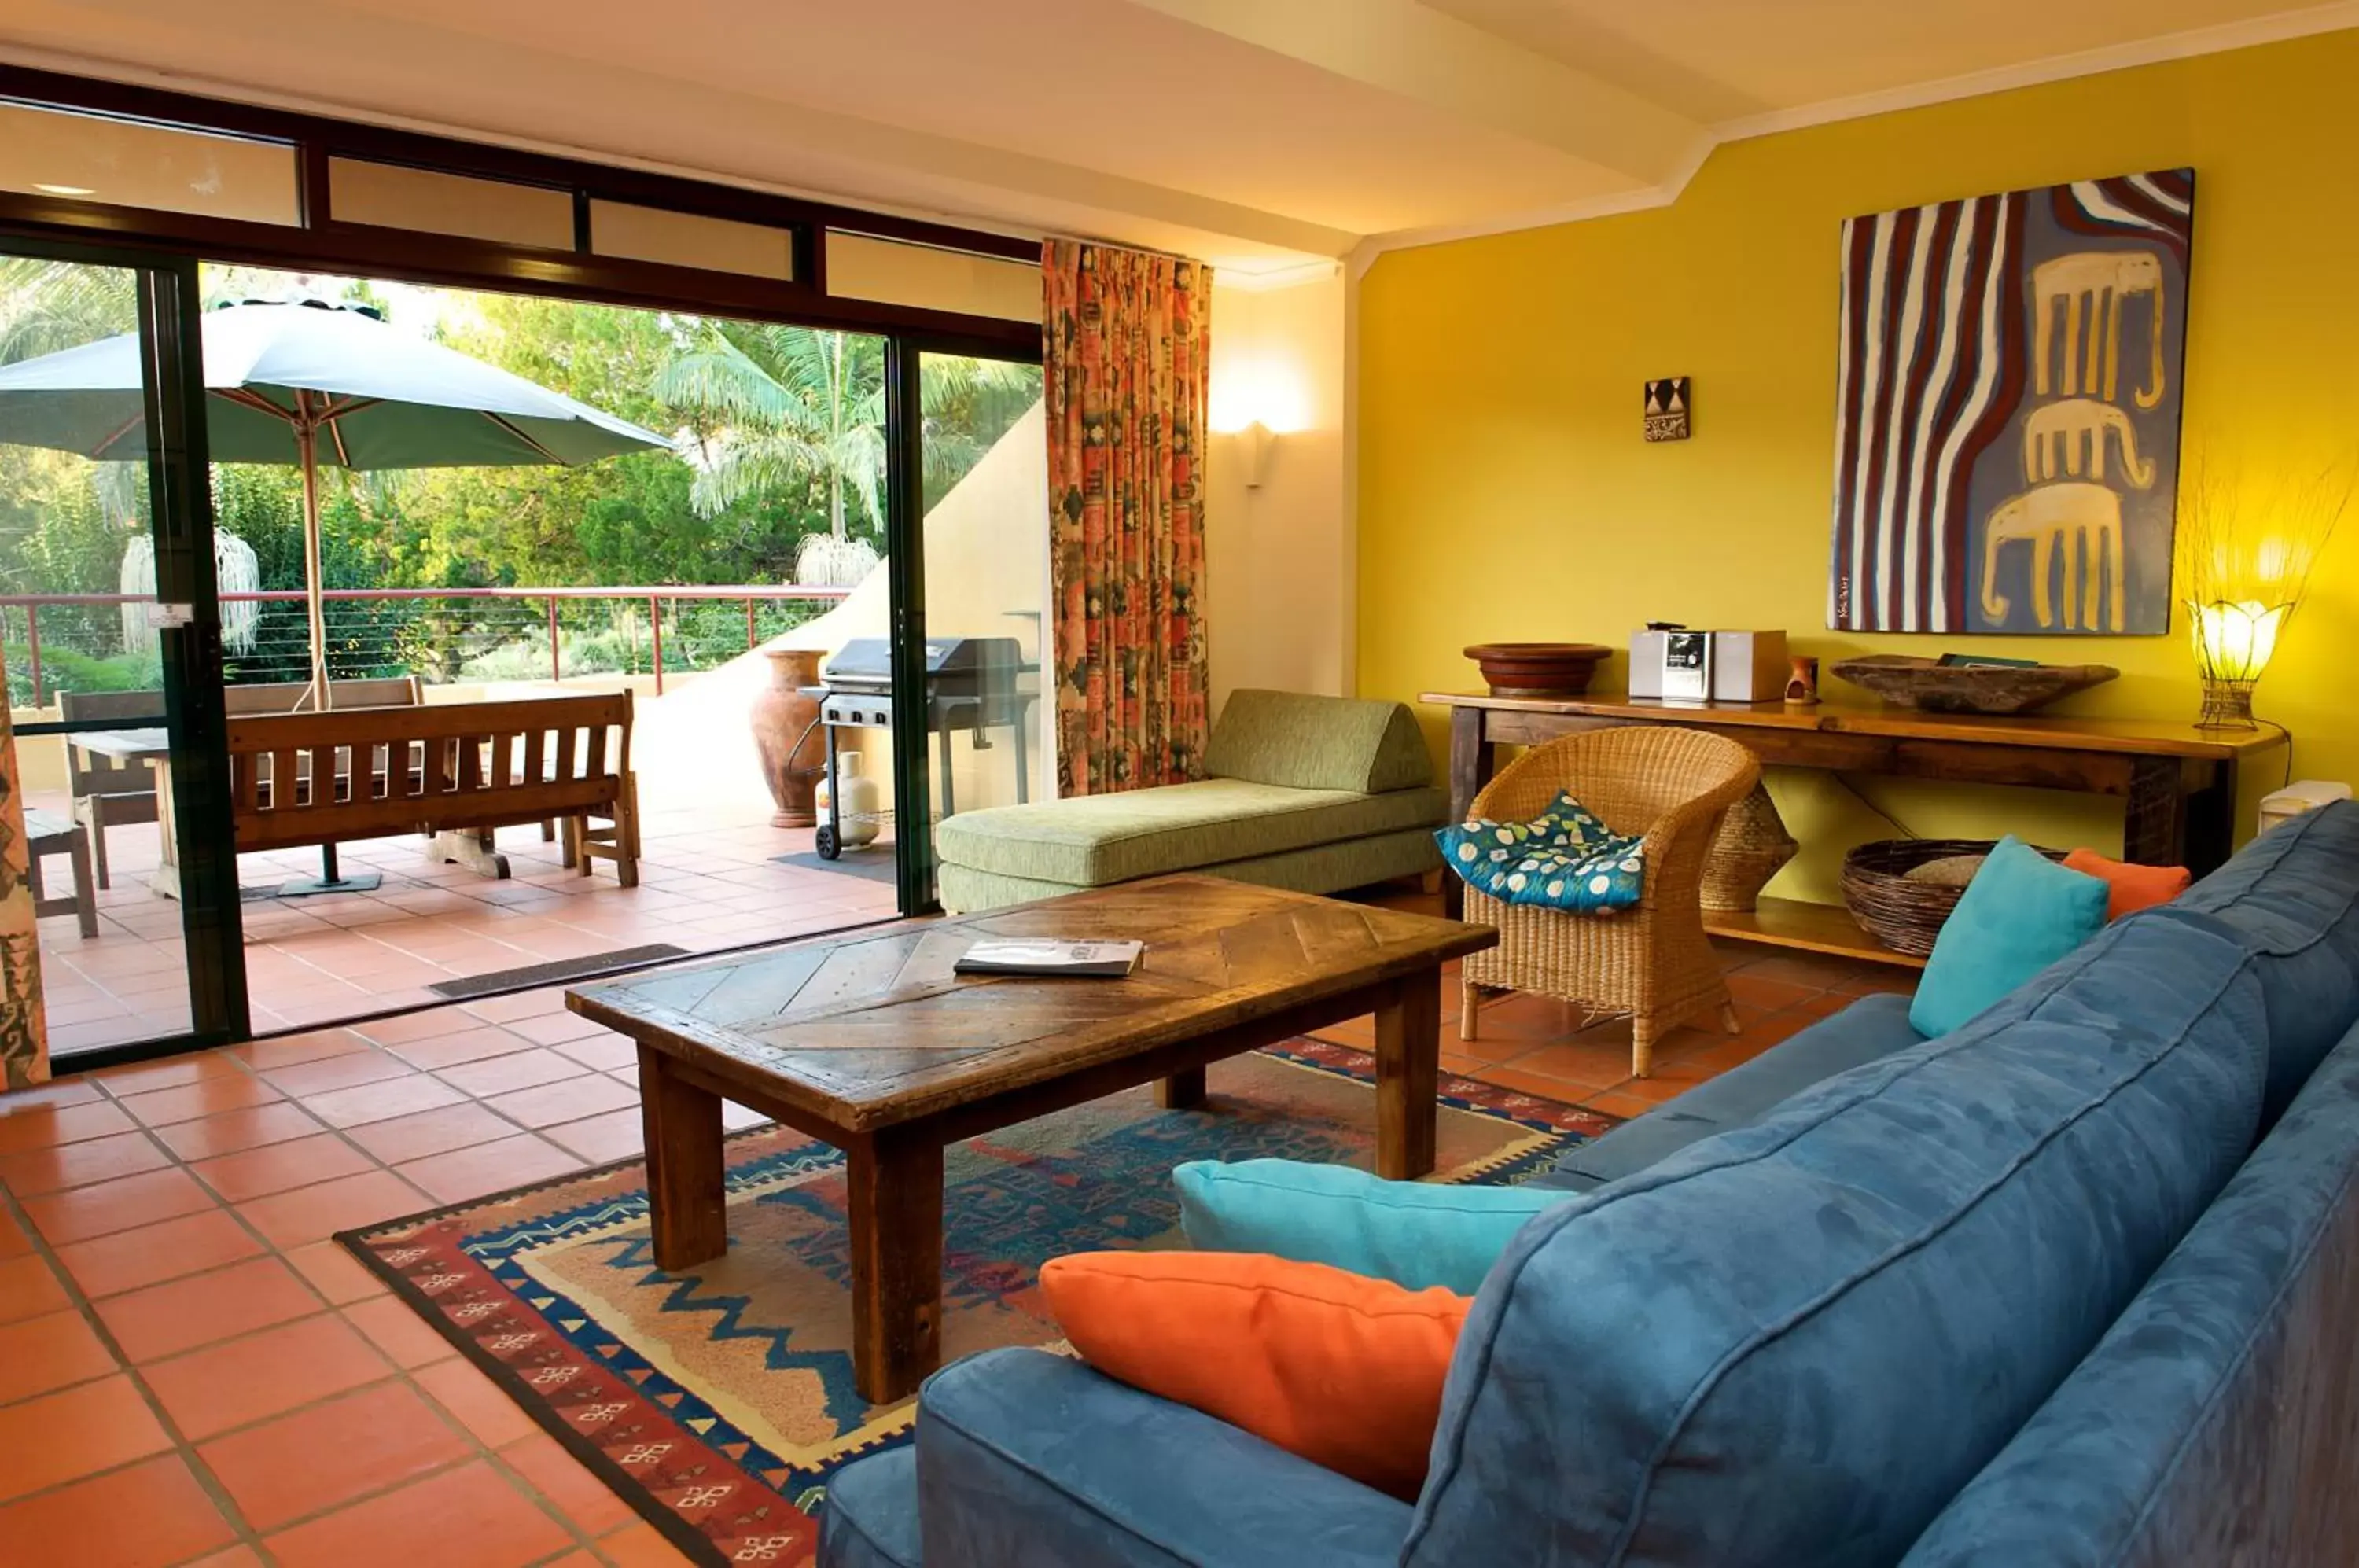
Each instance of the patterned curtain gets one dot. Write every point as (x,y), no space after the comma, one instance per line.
(1127,336)
(24,1025)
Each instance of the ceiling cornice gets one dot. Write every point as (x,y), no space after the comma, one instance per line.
(2279,27)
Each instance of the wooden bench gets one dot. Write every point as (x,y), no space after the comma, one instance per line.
(455,770)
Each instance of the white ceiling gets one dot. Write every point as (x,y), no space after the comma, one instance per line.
(1255,133)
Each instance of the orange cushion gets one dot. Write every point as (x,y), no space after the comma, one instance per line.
(2130,888)
(1344,1370)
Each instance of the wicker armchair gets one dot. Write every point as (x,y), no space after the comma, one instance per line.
(1652,961)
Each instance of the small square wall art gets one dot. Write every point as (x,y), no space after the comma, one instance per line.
(2009,388)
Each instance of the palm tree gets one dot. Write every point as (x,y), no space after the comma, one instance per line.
(786,406)
(789,406)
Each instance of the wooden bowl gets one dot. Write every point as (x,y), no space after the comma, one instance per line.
(1970,688)
(1538,669)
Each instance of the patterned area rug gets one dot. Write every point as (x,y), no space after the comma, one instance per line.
(718,1402)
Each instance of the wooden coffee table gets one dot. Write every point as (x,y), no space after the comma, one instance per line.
(869,1042)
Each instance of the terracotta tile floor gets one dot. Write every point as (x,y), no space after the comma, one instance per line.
(708,879)
(191,1372)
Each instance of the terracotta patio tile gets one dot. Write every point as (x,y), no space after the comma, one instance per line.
(486,1168)
(233,1130)
(211,1390)
(481,1406)
(41,1126)
(30,1288)
(406,1028)
(289,1051)
(128,1260)
(381,1101)
(555,1029)
(1772,995)
(330,1454)
(150,1516)
(604,1051)
(180,1314)
(589,1502)
(522,1005)
(65,1165)
(395,1328)
(205,1098)
(47,1352)
(315,1213)
(306,1079)
(53,1096)
(477,1042)
(518,1070)
(109,1206)
(568,1100)
(430,1132)
(73,1433)
(280,1167)
(480,1521)
(641,1545)
(235,1557)
(334,1272)
(172,1073)
(616,1135)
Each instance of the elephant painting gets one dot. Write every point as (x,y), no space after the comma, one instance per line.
(2006,460)
(2103,279)
(2053,442)
(2085,519)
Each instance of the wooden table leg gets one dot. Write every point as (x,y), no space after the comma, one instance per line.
(1181,1091)
(1471,758)
(687,1206)
(2154,819)
(895,1206)
(1409,1065)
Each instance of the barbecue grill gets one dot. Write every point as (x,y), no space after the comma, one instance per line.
(971,684)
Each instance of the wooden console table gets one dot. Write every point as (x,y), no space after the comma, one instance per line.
(2178,782)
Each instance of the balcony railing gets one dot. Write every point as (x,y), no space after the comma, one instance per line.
(442,633)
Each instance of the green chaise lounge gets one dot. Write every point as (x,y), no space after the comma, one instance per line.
(1315,794)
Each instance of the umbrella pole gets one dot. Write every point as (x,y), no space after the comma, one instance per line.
(307,452)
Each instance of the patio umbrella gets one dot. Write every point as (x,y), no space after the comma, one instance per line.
(316,386)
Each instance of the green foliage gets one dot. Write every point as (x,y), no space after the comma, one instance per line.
(70,669)
(786,428)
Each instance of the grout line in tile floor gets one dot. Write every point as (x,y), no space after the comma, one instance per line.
(450,1143)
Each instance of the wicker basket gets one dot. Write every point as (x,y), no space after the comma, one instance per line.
(1903,914)
(1751,847)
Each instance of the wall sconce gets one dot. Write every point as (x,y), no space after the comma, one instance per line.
(2233,643)
(1257,438)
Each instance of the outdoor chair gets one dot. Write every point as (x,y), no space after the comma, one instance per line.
(1651,961)
(109,792)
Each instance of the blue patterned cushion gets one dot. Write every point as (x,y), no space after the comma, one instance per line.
(1562,859)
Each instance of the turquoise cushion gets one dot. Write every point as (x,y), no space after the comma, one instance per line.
(1562,859)
(1413,1232)
(2021,913)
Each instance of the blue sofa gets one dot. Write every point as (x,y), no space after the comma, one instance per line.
(2073,1285)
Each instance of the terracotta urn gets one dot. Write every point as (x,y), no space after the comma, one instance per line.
(786,732)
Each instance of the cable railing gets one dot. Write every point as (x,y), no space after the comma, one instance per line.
(444,635)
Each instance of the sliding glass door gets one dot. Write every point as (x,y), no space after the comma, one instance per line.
(972,466)
(112,642)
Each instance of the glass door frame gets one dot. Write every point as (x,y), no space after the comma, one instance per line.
(171,332)
(905,565)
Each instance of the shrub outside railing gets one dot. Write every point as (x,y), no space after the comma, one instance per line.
(77,641)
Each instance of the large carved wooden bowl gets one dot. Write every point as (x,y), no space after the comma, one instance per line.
(1538,669)
(1935,687)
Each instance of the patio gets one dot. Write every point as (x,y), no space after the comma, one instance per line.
(710,878)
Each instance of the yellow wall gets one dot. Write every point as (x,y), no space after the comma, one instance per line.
(1505,491)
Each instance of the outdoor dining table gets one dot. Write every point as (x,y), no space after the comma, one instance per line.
(153,746)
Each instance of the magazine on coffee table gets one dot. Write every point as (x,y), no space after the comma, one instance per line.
(1061,957)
